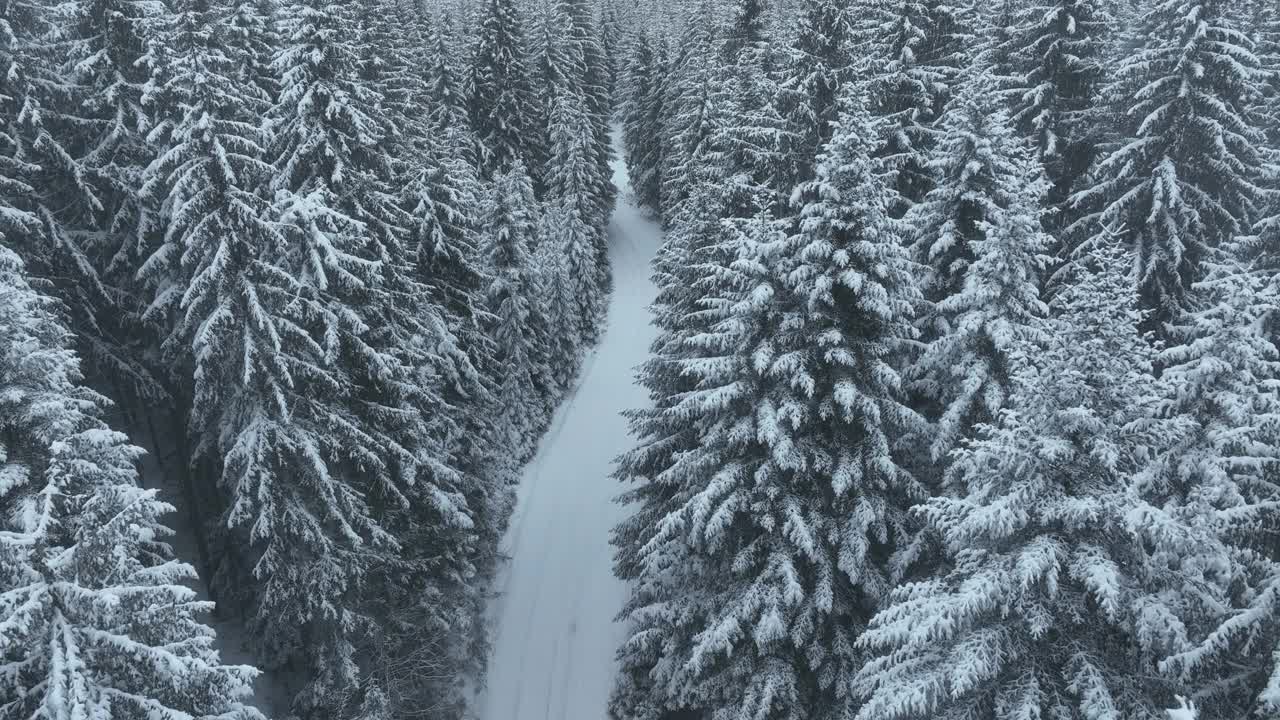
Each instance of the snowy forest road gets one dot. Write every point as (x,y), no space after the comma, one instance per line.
(554,636)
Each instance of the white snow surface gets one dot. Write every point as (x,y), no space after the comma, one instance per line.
(554,635)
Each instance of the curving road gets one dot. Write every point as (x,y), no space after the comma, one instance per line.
(554,635)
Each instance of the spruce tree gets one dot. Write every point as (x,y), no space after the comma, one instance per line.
(25,212)
(915,50)
(382,464)
(599,107)
(1205,502)
(706,184)
(95,619)
(1059,50)
(223,309)
(612,45)
(440,636)
(978,235)
(444,84)
(727,137)
(995,54)
(255,32)
(1182,181)
(1030,613)
(558,70)
(446,238)
(209,186)
(572,70)
(572,222)
(557,294)
(747,28)
(442,200)
(1263,244)
(665,664)
(749,134)
(684,310)
(778,531)
(641,117)
(389,54)
(109,58)
(820,62)
(696,287)
(519,326)
(48,176)
(501,93)
(1266,22)
(686,104)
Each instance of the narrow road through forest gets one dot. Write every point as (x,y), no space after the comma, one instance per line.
(554,635)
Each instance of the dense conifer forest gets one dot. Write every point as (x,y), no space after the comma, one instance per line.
(333,265)
(966,398)
(964,401)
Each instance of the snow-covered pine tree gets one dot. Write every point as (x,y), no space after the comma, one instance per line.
(501,91)
(818,63)
(642,109)
(570,196)
(612,44)
(659,674)
(108,62)
(686,108)
(747,28)
(728,136)
(778,532)
(47,179)
(1031,613)
(428,602)
(996,48)
(108,58)
(978,234)
(749,134)
(714,169)
(692,203)
(1182,180)
(381,464)
(336,190)
(683,310)
(25,211)
(390,52)
(1205,504)
(1266,22)
(96,619)
(255,30)
(439,195)
(21,213)
(695,287)
(558,69)
(599,107)
(442,198)
(222,309)
(519,326)
(1263,244)
(915,50)
(557,295)
(444,85)
(572,64)
(1261,20)
(425,191)
(1059,48)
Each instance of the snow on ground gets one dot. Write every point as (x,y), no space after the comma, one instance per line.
(554,636)
(270,695)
